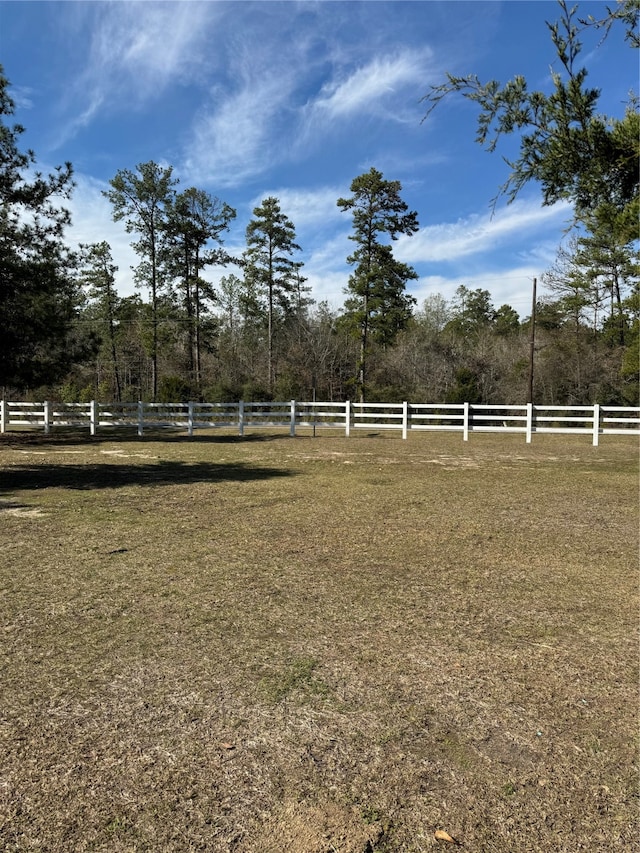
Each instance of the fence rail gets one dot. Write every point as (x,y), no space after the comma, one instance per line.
(294,415)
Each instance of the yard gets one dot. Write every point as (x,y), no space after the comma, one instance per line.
(318,645)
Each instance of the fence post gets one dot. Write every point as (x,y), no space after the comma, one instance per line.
(465,423)
(347,418)
(405,418)
(241,418)
(4,412)
(529,422)
(596,424)
(140,417)
(93,417)
(190,418)
(46,411)
(292,421)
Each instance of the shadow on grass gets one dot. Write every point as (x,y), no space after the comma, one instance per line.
(117,475)
(71,435)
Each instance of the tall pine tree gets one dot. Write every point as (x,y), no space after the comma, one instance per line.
(378,307)
(194,221)
(97,275)
(141,199)
(269,265)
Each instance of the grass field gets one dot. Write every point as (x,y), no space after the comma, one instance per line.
(321,645)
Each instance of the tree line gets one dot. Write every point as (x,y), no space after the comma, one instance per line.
(66,333)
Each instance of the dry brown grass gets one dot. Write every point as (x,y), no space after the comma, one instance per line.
(318,645)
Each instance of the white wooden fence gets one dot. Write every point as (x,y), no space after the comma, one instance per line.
(294,415)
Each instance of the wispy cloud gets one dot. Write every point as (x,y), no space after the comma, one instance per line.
(92,222)
(245,124)
(368,88)
(308,209)
(257,112)
(478,233)
(149,45)
(135,51)
(232,139)
(71,126)
(22,97)
(326,270)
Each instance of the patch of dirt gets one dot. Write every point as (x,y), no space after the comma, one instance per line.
(127,455)
(24,513)
(498,747)
(320,828)
(11,508)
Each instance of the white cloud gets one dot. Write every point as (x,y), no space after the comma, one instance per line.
(232,140)
(478,233)
(68,129)
(307,209)
(244,126)
(150,45)
(327,287)
(22,97)
(369,87)
(512,286)
(92,222)
(135,51)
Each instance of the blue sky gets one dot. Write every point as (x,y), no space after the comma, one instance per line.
(295,99)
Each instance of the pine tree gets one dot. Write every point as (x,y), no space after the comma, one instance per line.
(566,145)
(141,199)
(195,220)
(38,294)
(378,307)
(97,275)
(269,265)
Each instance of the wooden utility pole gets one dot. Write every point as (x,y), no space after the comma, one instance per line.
(532,343)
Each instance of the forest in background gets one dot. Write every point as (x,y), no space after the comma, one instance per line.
(67,334)
(462,350)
